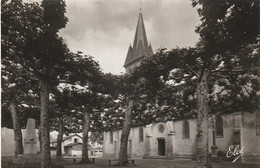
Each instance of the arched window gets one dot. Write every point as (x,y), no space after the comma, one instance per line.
(141,134)
(219,126)
(258,122)
(111,137)
(185,130)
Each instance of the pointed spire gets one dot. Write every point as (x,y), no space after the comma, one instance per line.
(129,56)
(140,46)
(140,34)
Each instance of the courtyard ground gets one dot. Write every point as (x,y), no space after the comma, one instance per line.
(139,163)
(161,163)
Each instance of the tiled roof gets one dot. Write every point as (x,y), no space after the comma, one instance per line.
(72,144)
(67,137)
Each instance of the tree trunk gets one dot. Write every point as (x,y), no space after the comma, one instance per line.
(45,134)
(202,123)
(86,128)
(59,140)
(123,157)
(18,137)
(40,139)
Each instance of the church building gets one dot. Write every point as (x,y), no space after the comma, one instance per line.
(177,139)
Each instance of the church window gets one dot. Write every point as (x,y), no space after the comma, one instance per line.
(237,122)
(76,140)
(141,134)
(111,137)
(219,126)
(258,122)
(185,130)
(161,128)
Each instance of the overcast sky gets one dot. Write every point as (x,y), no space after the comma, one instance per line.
(105,28)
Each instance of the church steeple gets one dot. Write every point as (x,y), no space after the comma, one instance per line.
(140,47)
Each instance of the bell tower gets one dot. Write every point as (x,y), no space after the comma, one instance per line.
(140,48)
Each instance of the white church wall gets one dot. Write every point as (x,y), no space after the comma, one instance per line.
(138,147)
(228,133)
(108,146)
(185,146)
(251,140)
(176,144)
(117,143)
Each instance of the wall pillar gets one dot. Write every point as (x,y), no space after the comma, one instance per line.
(115,149)
(148,145)
(170,145)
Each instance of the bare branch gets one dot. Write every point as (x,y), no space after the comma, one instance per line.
(246,90)
(220,76)
(192,71)
(218,70)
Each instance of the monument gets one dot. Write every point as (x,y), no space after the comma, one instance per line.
(30,137)
(30,157)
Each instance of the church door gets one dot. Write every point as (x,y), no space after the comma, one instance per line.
(161,147)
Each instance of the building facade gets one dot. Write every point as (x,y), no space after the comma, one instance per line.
(175,139)
(71,145)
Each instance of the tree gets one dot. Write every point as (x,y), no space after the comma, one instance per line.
(47,56)
(116,117)
(127,96)
(18,24)
(126,111)
(96,137)
(224,30)
(239,86)
(123,157)
(85,93)
(60,114)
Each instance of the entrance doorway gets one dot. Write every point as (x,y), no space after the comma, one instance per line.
(161,147)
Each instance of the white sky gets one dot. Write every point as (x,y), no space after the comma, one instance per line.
(105,28)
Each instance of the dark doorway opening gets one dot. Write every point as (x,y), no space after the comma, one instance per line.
(161,147)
